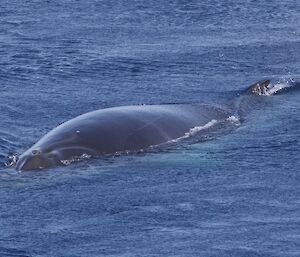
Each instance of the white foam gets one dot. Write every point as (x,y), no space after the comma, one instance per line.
(233,119)
(195,130)
(199,128)
(76,158)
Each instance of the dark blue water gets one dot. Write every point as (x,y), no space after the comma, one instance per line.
(234,195)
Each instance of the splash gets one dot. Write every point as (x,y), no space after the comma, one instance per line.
(280,86)
(11,161)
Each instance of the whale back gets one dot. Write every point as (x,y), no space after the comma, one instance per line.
(129,128)
(119,129)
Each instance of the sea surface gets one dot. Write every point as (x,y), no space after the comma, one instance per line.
(235,194)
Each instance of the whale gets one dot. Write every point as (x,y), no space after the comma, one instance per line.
(128,129)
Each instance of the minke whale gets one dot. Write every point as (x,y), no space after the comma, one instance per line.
(129,129)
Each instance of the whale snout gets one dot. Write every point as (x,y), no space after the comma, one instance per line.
(34,160)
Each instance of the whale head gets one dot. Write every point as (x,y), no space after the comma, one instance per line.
(34,159)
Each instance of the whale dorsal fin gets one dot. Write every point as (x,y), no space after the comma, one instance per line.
(259,88)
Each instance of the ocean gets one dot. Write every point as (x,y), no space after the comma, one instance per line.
(236,193)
